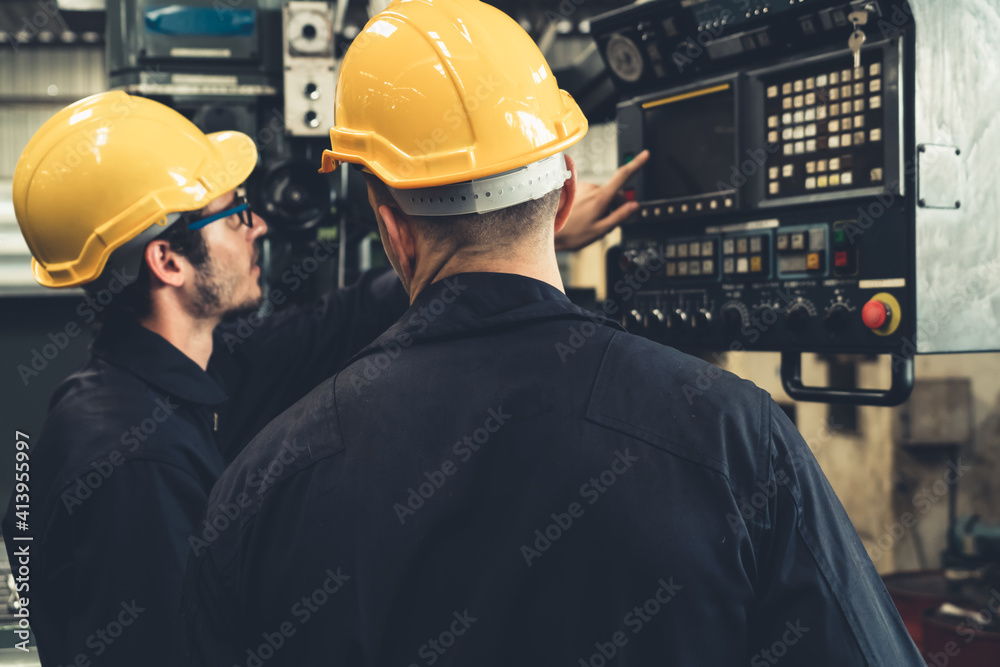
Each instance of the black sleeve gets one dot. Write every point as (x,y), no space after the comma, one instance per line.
(267,363)
(820,599)
(134,533)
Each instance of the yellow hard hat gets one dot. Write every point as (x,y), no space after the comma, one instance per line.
(106,168)
(436,92)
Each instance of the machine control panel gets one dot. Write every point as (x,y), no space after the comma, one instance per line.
(774,205)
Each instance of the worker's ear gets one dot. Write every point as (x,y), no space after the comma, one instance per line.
(566,196)
(165,264)
(399,235)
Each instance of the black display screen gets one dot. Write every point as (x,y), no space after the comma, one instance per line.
(691,139)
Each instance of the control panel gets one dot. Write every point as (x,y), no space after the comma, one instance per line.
(776,210)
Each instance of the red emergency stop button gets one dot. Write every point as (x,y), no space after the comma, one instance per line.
(875,314)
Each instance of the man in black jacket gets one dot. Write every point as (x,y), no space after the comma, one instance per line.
(502,478)
(134,440)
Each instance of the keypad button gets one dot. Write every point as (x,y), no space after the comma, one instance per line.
(875,86)
(834,78)
(875,102)
(817,239)
(671,269)
(728,246)
(782,242)
(876,175)
(800,147)
(772,91)
(821,81)
(756,264)
(729,265)
(788,170)
(845,75)
(742,265)
(799,117)
(821,165)
(810,99)
(811,167)
(834,94)
(859,122)
(707,267)
(834,110)
(810,114)
(798,241)
(811,183)
(786,103)
(682,268)
(755,244)
(772,173)
(798,101)
(859,73)
(786,89)
(811,130)
(859,138)
(694,268)
(846,123)
(859,89)
(742,246)
(822,181)
(875,134)
(812,261)
(859,105)
(810,83)
(875,69)
(772,121)
(772,188)
(788,133)
(835,141)
(834,164)
(786,118)
(772,137)
(845,107)
(707,248)
(833,126)
(787,149)
(846,178)
(810,145)
(834,180)
(798,86)
(821,113)
(800,132)
(670,251)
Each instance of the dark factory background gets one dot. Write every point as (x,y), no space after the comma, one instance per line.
(748,223)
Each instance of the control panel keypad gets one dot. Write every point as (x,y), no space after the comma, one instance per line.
(839,118)
(801,250)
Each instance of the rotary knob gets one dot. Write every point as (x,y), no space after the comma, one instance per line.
(732,319)
(632,320)
(702,320)
(797,318)
(656,321)
(838,318)
(677,320)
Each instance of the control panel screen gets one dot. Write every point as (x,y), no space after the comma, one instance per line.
(691,137)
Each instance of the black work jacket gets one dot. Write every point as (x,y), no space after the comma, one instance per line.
(502,478)
(130,449)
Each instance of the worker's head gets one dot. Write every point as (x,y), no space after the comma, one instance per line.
(112,194)
(457,120)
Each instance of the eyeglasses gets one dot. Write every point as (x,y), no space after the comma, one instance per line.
(241,207)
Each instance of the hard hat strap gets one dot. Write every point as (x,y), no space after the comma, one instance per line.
(482,195)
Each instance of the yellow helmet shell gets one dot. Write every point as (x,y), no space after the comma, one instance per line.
(434,92)
(104,169)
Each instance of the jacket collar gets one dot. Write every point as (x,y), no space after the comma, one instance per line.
(149,356)
(468,302)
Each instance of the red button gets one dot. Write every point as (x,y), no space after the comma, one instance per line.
(874,314)
(630,194)
(840,258)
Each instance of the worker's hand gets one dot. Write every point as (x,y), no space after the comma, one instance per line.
(589,219)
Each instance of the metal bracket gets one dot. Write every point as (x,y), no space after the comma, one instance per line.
(939,176)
